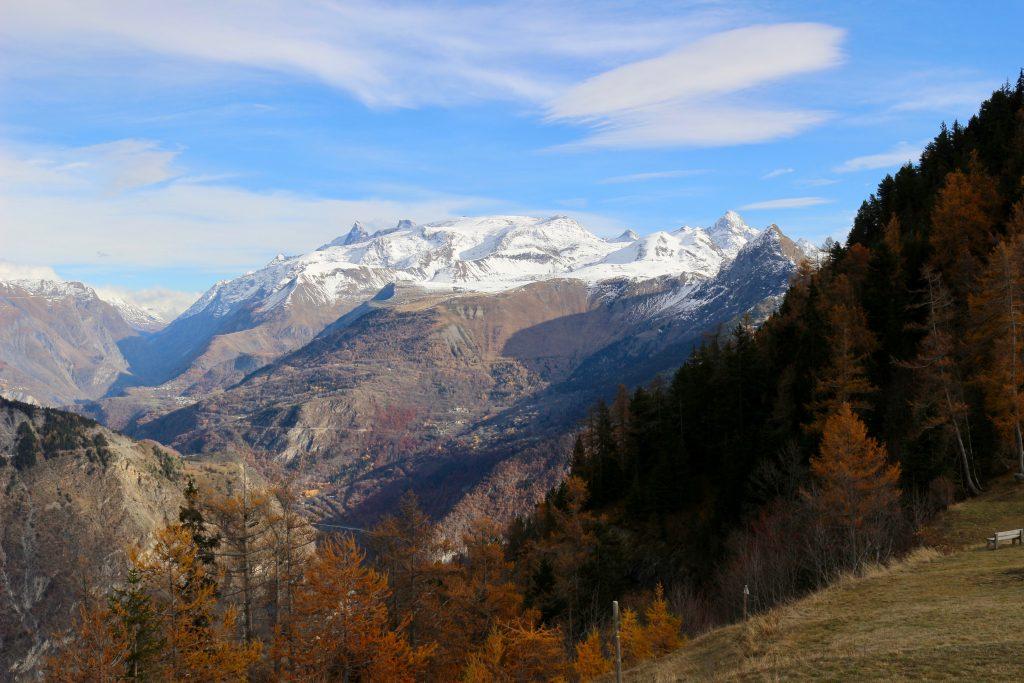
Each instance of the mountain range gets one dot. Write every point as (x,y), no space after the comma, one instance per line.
(453,357)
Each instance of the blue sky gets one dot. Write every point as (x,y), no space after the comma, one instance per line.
(160,146)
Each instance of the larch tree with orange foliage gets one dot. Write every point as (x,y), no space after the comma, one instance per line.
(340,629)
(477,591)
(591,661)
(406,547)
(658,633)
(199,640)
(855,495)
(997,334)
(963,220)
(939,402)
(93,650)
(851,342)
(518,651)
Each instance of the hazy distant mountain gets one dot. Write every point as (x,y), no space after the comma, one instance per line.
(59,341)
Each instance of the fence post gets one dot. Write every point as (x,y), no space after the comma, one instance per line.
(618,645)
(746,593)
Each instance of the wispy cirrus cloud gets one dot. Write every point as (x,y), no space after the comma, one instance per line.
(787,203)
(688,96)
(775,173)
(121,204)
(652,175)
(899,155)
(394,54)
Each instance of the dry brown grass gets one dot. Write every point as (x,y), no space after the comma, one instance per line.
(949,611)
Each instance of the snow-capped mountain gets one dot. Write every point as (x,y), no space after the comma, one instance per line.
(490,253)
(52,291)
(485,373)
(59,342)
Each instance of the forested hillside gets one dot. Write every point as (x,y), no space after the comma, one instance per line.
(889,382)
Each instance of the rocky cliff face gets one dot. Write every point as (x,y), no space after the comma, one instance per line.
(74,497)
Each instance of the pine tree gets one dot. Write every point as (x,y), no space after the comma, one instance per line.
(28,450)
(136,623)
(850,342)
(191,517)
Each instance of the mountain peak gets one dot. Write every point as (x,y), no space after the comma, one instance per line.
(730,222)
(626,236)
(357,234)
(730,233)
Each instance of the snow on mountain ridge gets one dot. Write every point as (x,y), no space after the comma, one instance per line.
(54,290)
(486,253)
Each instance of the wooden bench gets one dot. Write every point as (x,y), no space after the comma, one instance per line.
(1016,536)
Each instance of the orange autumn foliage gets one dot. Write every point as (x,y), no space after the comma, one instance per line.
(477,591)
(94,651)
(590,662)
(340,627)
(518,651)
(856,494)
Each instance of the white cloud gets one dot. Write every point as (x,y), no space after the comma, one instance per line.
(818,182)
(17,271)
(776,173)
(687,96)
(383,54)
(651,175)
(787,203)
(165,303)
(898,156)
(54,209)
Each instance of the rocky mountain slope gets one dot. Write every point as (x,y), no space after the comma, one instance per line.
(241,324)
(60,342)
(74,497)
(458,393)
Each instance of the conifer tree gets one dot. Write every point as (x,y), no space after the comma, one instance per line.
(855,494)
(519,651)
(997,334)
(662,627)
(191,517)
(590,662)
(940,399)
(91,652)
(407,548)
(136,624)
(199,641)
(850,342)
(963,221)
(340,626)
(242,520)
